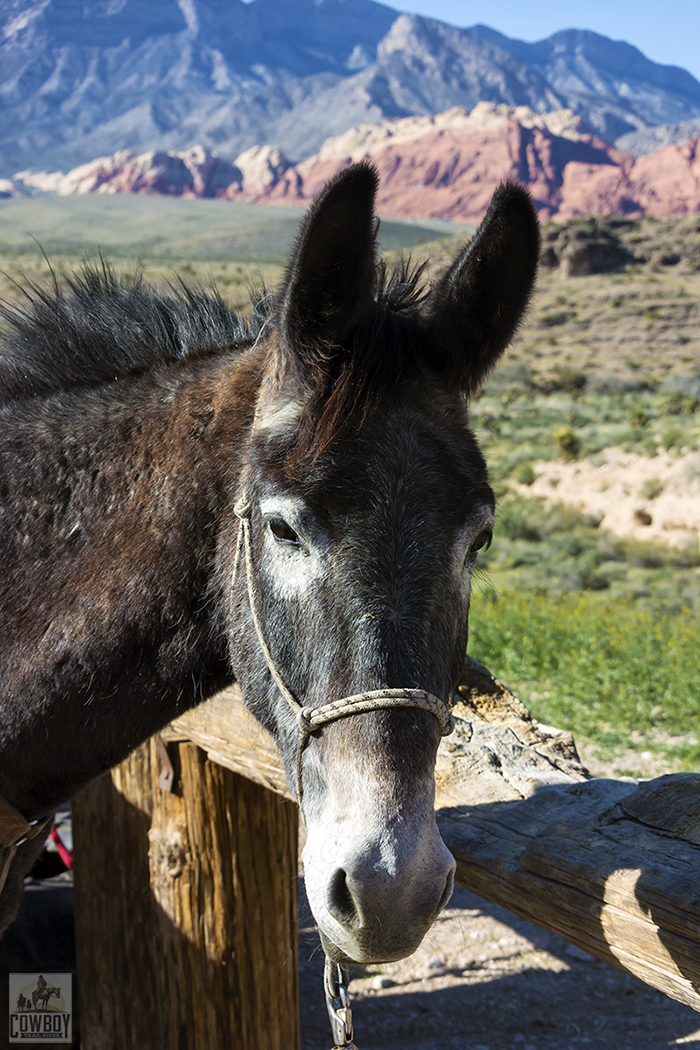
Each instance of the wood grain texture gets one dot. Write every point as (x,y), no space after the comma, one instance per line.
(194,944)
(225,729)
(611,866)
(113,907)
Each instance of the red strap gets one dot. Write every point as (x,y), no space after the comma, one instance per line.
(64,853)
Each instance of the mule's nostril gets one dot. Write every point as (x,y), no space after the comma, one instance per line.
(447,892)
(340,901)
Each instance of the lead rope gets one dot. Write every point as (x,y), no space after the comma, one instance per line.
(335,983)
(308,720)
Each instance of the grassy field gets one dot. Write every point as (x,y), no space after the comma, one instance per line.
(166,228)
(623,679)
(237,246)
(596,632)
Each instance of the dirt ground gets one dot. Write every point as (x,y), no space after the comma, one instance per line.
(486,980)
(650,498)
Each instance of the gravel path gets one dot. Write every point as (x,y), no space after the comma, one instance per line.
(487,980)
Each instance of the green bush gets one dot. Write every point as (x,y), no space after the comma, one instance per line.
(651,488)
(674,437)
(680,404)
(516,525)
(638,417)
(556,318)
(568,442)
(569,379)
(524,474)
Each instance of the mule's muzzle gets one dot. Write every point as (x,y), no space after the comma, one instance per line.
(382,927)
(381,896)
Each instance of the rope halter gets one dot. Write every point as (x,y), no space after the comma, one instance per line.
(310,719)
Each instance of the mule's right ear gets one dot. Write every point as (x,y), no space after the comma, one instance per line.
(330,277)
(478,303)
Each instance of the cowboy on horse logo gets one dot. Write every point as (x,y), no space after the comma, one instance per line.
(40,1008)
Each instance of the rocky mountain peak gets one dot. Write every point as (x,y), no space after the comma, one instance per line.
(80,78)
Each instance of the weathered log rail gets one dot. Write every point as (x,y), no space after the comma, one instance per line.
(610,865)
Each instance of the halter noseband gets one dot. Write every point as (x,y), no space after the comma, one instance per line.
(311,718)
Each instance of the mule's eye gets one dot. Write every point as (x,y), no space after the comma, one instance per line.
(482,541)
(282,532)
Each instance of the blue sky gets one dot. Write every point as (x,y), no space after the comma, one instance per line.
(667,31)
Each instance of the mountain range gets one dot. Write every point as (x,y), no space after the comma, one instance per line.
(83,78)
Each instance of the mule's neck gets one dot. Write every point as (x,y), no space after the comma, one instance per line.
(116,501)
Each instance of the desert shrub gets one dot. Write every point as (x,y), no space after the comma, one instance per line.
(546,521)
(575,418)
(491,422)
(511,375)
(562,517)
(568,442)
(638,417)
(646,554)
(651,488)
(514,524)
(524,474)
(680,404)
(642,552)
(556,318)
(674,437)
(568,379)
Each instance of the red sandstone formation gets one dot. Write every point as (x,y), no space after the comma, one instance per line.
(444,166)
(193,173)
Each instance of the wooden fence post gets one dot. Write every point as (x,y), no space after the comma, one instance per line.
(186,909)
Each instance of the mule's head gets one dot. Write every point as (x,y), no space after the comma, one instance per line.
(369,502)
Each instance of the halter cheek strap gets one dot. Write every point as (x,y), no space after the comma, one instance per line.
(311,718)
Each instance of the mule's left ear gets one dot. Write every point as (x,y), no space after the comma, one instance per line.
(478,303)
(330,277)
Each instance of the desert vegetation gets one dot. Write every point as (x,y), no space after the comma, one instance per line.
(591,621)
(591,616)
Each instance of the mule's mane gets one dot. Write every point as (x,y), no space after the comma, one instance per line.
(379,355)
(96,327)
(400,288)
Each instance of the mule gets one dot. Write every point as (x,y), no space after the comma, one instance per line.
(295,503)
